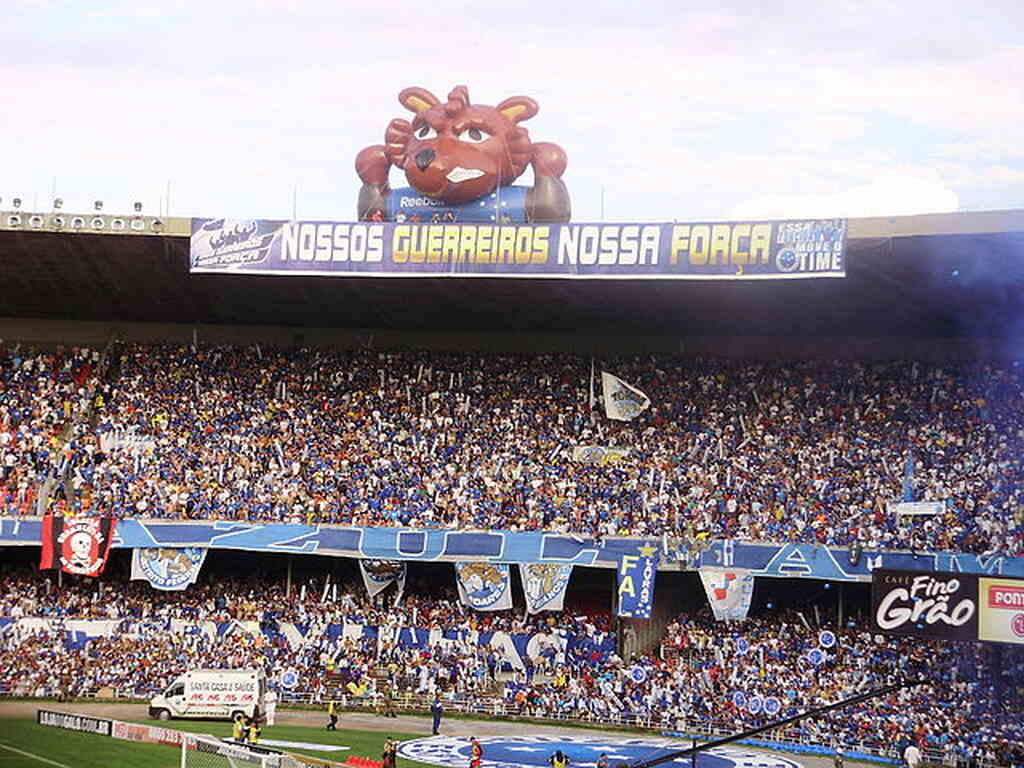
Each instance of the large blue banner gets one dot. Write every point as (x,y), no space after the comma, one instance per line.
(761,559)
(637,574)
(697,251)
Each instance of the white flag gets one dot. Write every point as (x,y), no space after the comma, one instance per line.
(729,592)
(484,586)
(622,401)
(168,569)
(544,585)
(378,575)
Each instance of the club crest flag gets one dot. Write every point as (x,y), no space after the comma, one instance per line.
(598,454)
(168,569)
(729,591)
(622,401)
(77,545)
(544,585)
(484,586)
(637,574)
(378,575)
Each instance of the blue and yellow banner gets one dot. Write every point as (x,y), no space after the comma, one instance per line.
(637,574)
(484,586)
(544,585)
(739,250)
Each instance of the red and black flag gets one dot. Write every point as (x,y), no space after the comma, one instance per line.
(77,545)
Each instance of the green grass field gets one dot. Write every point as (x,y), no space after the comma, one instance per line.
(24,744)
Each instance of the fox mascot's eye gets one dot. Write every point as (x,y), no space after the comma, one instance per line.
(473,135)
(425,132)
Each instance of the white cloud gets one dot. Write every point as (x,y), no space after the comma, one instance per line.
(678,111)
(900,192)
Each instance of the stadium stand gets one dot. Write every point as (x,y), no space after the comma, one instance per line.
(811,452)
(688,683)
(739,447)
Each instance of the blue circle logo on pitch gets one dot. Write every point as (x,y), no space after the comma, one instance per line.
(583,752)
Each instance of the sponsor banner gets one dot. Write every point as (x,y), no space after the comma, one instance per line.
(378,575)
(702,250)
(729,592)
(790,560)
(78,545)
(622,401)
(72,722)
(484,586)
(1001,610)
(146,734)
(168,569)
(544,585)
(598,455)
(925,604)
(636,576)
(917,508)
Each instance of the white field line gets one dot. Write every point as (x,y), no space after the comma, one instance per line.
(34,757)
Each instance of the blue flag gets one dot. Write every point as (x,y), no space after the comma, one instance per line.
(908,478)
(636,583)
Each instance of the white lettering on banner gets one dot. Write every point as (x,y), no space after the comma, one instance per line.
(609,245)
(647,583)
(1006,597)
(73,722)
(420,202)
(356,243)
(149,734)
(930,598)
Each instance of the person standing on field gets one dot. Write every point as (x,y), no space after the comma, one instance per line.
(437,709)
(270,706)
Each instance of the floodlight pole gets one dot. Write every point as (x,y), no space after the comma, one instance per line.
(692,751)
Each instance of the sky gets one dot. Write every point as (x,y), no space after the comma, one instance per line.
(668,110)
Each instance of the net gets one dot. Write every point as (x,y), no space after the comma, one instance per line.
(209,752)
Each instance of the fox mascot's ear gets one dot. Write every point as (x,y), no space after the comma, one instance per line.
(518,108)
(417,99)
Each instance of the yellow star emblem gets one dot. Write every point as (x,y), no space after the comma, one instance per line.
(648,550)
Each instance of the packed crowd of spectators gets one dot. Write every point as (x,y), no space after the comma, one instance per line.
(806,451)
(159,635)
(972,706)
(708,674)
(40,393)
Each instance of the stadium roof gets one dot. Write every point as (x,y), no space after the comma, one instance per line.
(956,274)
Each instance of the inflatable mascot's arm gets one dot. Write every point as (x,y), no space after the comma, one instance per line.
(456,153)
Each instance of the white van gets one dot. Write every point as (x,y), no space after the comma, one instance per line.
(211,693)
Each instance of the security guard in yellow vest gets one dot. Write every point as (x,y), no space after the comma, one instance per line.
(254,730)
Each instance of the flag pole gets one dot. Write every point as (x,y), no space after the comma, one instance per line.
(591,382)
